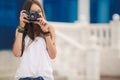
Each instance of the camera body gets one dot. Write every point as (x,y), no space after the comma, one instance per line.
(33,16)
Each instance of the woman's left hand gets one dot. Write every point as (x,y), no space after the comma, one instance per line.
(43,24)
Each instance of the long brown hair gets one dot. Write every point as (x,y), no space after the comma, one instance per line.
(31,29)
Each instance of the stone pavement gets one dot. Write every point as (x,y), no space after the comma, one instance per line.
(9,64)
(110,78)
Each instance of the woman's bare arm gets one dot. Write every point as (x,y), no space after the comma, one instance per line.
(50,41)
(17,46)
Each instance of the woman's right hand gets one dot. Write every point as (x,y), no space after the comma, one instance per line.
(23,18)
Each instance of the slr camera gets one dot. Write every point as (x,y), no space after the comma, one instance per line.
(33,16)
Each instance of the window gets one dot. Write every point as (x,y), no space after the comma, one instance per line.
(9,17)
(61,10)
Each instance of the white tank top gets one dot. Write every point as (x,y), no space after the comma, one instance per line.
(35,61)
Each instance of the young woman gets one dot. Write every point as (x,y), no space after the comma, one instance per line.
(34,44)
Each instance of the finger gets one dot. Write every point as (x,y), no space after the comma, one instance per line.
(25,17)
(26,21)
(42,19)
(39,19)
(22,18)
(23,14)
(41,15)
(46,30)
(43,23)
(23,11)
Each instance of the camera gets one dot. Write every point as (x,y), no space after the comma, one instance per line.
(33,16)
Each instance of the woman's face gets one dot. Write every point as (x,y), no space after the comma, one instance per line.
(35,7)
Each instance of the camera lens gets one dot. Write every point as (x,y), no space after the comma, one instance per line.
(32,17)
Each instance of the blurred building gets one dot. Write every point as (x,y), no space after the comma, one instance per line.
(88,40)
(93,11)
(9,17)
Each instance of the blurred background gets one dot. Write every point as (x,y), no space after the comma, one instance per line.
(88,38)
